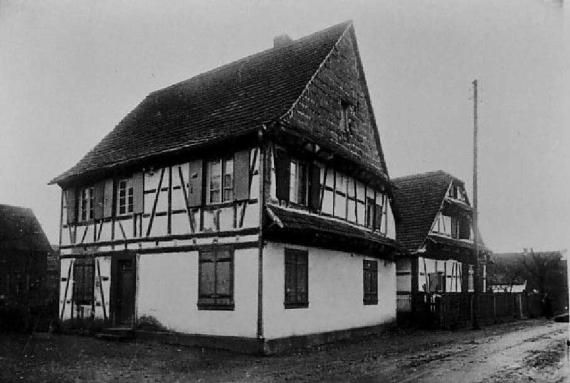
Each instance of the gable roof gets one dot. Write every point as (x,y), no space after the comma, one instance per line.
(224,103)
(20,230)
(418,199)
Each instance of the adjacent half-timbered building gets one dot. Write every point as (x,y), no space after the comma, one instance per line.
(435,226)
(249,205)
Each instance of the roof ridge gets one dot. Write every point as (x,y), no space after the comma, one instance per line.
(310,82)
(424,174)
(250,57)
(3,205)
(221,101)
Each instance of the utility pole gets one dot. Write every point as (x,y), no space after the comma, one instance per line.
(476,268)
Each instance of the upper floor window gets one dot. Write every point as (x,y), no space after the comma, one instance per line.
(220,180)
(125,197)
(451,226)
(298,190)
(374,215)
(86,203)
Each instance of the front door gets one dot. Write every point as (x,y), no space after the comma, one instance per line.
(124,291)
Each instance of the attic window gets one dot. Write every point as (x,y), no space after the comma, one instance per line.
(456,192)
(345,117)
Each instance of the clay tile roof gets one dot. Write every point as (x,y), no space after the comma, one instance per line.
(224,103)
(418,199)
(20,230)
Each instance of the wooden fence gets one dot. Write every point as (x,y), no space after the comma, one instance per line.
(453,310)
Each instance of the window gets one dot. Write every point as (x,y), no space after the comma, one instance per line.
(455,227)
(436,282)
(345,117)
(86,204)
(125,201)
(464,229)
(340,201)
(370,212)
(296,278)
(216,279)
(443,225)
(456,192)
(299,180)
(220,180)
(83,278)
(370,274)
(374,214)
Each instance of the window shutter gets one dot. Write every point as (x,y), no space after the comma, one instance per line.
(454,228)
(195,183)
(315,187)
(108,199)
(464,229)
(241,175)
(71,203)
(282,174)
(138,193)
(99,198)
(377,217)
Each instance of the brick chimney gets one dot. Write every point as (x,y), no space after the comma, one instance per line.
(281,41)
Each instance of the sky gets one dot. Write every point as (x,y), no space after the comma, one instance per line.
(70,70)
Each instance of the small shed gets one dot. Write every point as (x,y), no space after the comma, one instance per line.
(24,252)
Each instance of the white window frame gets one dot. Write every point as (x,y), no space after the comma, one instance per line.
(86,204)
(296,195)
(225,188)
(125,203)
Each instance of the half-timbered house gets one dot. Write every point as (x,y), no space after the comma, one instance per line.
(435,227)
(249,205)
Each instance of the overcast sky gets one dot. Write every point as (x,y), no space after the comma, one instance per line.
(70,70)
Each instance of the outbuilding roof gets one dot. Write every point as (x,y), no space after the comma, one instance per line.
(20,230)
(224,103)
(419,198)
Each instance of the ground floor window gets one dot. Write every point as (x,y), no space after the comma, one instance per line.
(436,282)
(83,281)
(216,279)
(370,270)
(296,278)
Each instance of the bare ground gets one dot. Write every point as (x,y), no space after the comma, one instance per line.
(529,351)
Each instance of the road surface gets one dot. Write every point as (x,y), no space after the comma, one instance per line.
(527,351)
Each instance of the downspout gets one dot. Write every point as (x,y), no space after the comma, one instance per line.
(262,171)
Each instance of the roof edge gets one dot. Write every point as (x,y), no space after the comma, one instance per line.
(347,24)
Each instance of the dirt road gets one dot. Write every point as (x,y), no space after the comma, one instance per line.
(517,352)
(532,354)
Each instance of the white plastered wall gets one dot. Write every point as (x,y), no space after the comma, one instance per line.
(168,291)
(335,293)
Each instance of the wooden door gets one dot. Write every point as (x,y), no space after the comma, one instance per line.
(124,292)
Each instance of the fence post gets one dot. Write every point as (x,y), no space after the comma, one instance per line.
(471,307)
(494,308)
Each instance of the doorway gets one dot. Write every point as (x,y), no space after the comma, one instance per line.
(124,290)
